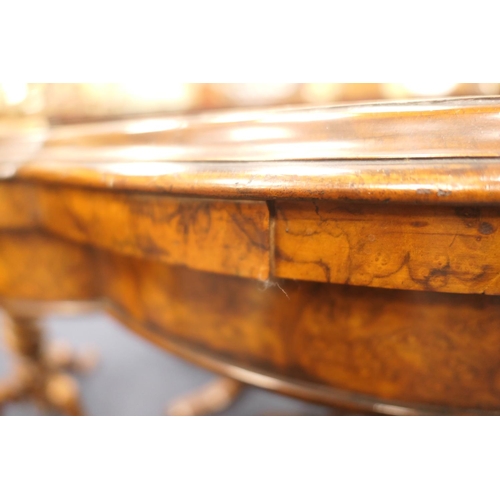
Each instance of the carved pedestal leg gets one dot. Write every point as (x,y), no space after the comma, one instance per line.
(212,398)
(39,372)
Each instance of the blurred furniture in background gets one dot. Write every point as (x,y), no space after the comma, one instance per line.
(76,102)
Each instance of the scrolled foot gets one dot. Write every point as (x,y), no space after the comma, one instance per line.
(210,399)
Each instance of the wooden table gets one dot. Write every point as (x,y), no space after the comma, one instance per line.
(346,255)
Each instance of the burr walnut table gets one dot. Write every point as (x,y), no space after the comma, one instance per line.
(347,255)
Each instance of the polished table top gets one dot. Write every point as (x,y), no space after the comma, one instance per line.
(331,153)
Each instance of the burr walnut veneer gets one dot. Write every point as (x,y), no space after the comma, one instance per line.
(347,255)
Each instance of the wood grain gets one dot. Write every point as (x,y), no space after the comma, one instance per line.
(446,249)
(36,266)
(413,347)
(17,206)
(228,237)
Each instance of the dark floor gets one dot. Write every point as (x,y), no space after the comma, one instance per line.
(134,377)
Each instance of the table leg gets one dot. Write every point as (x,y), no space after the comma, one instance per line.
(39,374)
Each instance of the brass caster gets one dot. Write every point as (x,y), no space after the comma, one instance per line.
(210,399)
